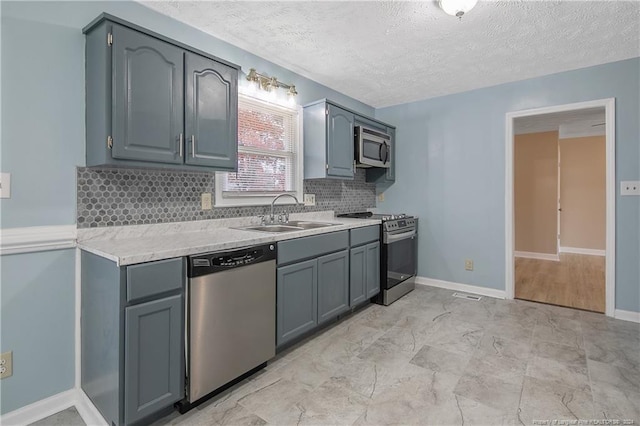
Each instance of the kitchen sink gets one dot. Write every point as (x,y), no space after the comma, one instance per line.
(309,225)
(288,227)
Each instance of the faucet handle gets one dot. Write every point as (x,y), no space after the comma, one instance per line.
(286,216)
(262,220)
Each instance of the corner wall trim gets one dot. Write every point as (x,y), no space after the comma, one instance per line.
(52,405)
(40,409)
(467,288)
(577,250)
(539,256)
(88,411)
(627,315)
(37,238)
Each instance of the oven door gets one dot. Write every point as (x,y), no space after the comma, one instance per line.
(400,256)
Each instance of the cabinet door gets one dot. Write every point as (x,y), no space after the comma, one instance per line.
(211,113)
(297,307)
(148,101)
(152,365)
(333,285)
(372,269)
(339,142)
(357,275)
(390,175)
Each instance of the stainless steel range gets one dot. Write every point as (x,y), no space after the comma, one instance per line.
(398,257)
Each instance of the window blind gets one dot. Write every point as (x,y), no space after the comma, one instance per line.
(267,149)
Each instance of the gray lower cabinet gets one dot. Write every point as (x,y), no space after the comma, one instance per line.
(132,337)
(312,283)
(154,102)
(152,373)
(372,268)
(364,279)
(357,275)
(333,285)
(297,306)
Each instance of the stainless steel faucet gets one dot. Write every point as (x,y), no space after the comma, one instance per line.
(272,218)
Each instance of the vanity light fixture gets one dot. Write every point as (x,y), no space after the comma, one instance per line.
(269,83)
(457,7)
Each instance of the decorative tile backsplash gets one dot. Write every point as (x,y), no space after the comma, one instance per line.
(116,197)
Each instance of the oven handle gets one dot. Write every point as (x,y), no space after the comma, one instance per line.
(392,238)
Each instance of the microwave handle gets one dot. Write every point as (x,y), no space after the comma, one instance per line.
(384,158)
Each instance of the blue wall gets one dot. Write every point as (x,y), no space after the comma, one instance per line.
(451,171)
(42,54)
(38,314)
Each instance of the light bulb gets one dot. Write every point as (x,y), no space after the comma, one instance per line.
(457,7)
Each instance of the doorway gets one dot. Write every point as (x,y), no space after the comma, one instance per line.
(560,195)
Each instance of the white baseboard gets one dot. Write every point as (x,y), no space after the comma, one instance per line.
(40,409)
(54,404)
(627,315)
(37,238)
(539,256)
(467,288)
(88,411)
(577,250)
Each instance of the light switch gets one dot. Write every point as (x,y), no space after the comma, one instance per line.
(630,187)
(5,185)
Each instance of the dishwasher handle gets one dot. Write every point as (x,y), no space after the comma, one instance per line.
(210,263)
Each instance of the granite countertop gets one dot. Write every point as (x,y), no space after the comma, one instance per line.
(128,245)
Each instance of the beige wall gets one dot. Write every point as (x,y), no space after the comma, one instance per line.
(583,192)
(536,192)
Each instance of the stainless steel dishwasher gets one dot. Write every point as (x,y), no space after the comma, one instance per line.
(231,316)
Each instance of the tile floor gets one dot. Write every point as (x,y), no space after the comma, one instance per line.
(432,359)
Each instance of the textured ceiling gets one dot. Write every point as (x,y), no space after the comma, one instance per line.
(390,52)
(549,122)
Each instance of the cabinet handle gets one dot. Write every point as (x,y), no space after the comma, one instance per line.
(181,143)
(193,146)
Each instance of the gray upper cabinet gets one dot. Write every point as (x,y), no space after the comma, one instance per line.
(211,113)
(329,142)
(147,105)
(340,142)
(155,102)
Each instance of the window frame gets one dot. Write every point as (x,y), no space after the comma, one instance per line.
(238,199)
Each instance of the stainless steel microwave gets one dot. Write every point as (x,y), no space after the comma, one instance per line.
(373,147)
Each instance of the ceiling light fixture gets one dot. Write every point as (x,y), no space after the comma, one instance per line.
(457,7)
(270,83)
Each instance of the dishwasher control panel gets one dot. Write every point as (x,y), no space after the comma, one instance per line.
(214,262)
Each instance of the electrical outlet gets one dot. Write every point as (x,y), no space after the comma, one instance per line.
(381,196)
(206,201)
(630,187)
(309,199)
(468,265)
(6,364)
(5,185)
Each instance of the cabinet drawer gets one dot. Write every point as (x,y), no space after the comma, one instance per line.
(148,279)
(307,247)
(365,235)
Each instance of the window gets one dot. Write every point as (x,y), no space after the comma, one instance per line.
(269,155)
